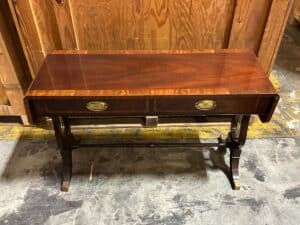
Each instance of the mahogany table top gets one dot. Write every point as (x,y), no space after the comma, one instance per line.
(150,73)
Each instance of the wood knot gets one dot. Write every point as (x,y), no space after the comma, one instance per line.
(60,2)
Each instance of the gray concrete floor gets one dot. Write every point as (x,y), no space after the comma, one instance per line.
(174,186)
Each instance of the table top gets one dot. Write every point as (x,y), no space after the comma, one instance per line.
(150,73)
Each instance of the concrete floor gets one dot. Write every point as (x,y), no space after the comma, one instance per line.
(175,186)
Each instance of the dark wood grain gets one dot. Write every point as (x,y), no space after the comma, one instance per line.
(155,73)
(153,82)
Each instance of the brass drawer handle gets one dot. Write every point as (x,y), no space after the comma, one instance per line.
(97,106)
(205,105)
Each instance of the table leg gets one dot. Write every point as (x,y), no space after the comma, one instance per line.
(70,139)
(64,145)
(235,153)
(237,138)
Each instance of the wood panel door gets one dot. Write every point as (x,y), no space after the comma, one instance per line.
(46,25)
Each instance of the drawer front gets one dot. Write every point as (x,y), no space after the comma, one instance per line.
(211,105)
(103,106)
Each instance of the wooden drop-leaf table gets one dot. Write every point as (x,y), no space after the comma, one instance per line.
(151,87)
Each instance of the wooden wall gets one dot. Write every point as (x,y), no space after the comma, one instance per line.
(14,74)
(46,25)
(295,14)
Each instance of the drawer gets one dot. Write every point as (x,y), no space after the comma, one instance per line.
(97,106)
(212,105)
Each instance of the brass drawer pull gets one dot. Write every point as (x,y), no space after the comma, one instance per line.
(97,106)
(205,105)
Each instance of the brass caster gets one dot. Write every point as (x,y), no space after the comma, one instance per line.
(65,186)
(236,185)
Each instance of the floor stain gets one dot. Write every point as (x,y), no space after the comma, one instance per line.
(254,204)
(171,219)
(38,206)
(292,193)
(251,164)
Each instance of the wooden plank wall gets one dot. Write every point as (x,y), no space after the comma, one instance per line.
(3,96)
(249,23)
(294,17)
(14,79)
(46,25)
(296,11)
(278,16)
